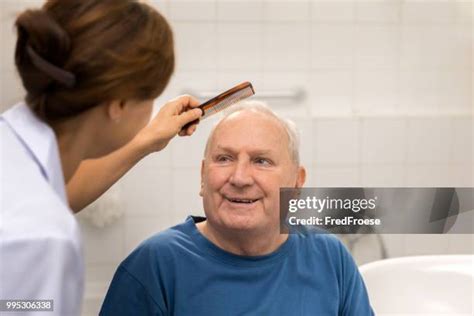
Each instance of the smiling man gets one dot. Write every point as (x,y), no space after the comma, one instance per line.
(235,261)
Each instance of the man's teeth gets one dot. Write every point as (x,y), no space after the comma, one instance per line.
(241,201)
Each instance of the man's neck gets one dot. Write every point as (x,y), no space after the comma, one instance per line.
(243,243)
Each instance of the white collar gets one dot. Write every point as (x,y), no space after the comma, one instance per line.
(39,139)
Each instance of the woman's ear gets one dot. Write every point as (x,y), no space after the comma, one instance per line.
(115,110)
(301,177)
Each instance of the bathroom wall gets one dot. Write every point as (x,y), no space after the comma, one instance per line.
(387,101)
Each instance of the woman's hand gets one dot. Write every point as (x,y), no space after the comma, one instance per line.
(154,137)
(168,123)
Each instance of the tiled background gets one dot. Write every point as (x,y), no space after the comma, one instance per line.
(387,101)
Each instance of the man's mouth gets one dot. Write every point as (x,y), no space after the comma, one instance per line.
(241,200)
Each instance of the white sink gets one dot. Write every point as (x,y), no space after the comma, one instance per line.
(424,285)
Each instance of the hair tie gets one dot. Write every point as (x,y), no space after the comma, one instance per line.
(65,77)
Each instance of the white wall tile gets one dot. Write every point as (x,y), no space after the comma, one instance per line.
(186,199)
(238,10)
(97,280)
(140,228)
(277,10)
(394,244)
(8,35)
(427,46)
(186,82)
(420,92)
(306,129)
(415,12)
(94,294)
(285,80)
(430,140)
(286,46)
(425,244)
(332,82)
(157,161)
(332,45)
(460,244)
(161,6)
(100,273)
(11,90)
(464,11)
(195,45)
(386,175)
(458,175)
(320,175)
(331,92)
(239,46)
(432,175)
(455,93)
(383,140)
(327,105)
(332,11)
(197,10)
(384,11)
(195,83)
(295,85)
(377,46)
(230,78)
(376,92)
(463,140)
(147,190)
(337,141)
(366,249)
(463,40)
(103,245)
(188,152)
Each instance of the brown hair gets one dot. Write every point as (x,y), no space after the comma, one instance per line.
(111,49)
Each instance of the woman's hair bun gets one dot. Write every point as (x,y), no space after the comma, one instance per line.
(73,55)
(39,32)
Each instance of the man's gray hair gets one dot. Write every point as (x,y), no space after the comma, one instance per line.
(260,107)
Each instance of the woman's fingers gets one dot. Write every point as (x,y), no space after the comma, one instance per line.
(192,129)
(189,116)
(188,131)
(181,104)
(193,102)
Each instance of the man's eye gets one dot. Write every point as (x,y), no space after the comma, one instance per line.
(263,161)
(223,158)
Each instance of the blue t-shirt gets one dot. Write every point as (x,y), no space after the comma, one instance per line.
(180,272)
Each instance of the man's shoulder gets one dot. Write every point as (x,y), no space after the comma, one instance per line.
(319,237)
(321,243)
(168,236)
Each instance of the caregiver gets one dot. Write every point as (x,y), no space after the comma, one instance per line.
(91,70)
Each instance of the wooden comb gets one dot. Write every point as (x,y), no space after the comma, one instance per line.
(224,100)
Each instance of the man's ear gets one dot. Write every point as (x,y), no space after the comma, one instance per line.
(202,178)
(115,110)
(300,177)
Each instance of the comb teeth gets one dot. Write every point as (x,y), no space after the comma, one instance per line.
(228,101)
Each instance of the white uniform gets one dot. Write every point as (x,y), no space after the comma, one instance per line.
(40,243)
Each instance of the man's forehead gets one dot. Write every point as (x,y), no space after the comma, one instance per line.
(247,119)
(257,150)
(253,132)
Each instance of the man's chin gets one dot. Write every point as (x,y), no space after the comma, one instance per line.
(240,222)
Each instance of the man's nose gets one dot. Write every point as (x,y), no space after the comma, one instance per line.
(241,175)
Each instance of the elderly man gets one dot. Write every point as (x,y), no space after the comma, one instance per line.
(235,261)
